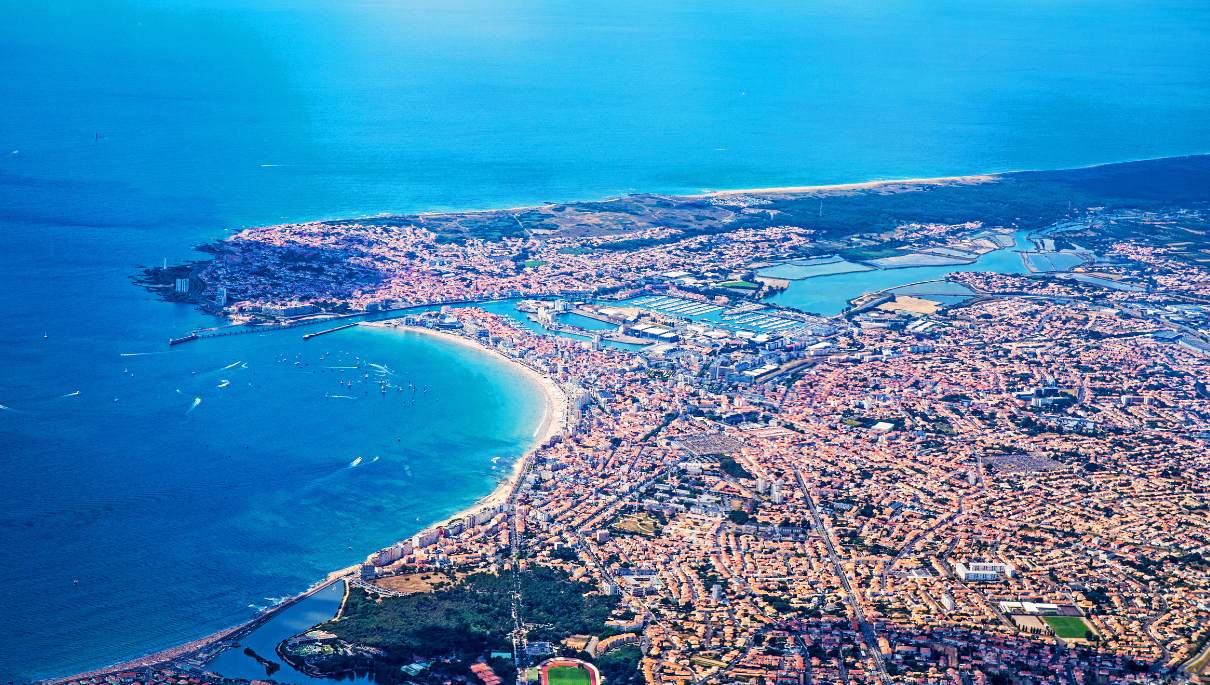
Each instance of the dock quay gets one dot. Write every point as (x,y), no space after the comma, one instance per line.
(626,339)
(556,327)
(612,336)
(588,313)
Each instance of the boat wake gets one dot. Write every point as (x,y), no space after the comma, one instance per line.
(360,461)
(196,401)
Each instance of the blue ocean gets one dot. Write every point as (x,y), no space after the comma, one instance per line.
(151,496)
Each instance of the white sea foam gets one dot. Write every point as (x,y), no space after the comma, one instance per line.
(542,423)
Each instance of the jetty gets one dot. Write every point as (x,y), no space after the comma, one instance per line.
(196,654)
(316,334)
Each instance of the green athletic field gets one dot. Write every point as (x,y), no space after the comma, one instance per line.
(567,675)
(1067,626)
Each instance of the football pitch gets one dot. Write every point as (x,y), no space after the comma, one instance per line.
(567,675)
(1067,626)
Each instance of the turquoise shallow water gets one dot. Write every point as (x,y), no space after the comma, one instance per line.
(829,295)
(133,129)
(186,490)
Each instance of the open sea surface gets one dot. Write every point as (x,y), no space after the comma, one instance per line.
(186,489)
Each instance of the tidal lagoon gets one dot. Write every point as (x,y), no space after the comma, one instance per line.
(829,294)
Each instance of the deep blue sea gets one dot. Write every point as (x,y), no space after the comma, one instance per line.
(131,130)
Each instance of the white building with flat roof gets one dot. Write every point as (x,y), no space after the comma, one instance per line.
(982,571)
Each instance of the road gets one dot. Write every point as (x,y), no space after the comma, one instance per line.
(867,630)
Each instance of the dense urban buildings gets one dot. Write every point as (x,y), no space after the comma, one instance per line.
(995,477)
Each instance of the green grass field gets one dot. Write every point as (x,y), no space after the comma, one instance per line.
(567,675)
(1067,626)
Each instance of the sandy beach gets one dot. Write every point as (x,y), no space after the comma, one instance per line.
(845,187)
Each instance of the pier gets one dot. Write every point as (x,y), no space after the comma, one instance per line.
(379,315)
(316,334)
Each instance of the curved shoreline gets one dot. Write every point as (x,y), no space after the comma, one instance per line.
(553,418)
(546,428)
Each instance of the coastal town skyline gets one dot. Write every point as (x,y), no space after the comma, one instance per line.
(455,342)
(876,491)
